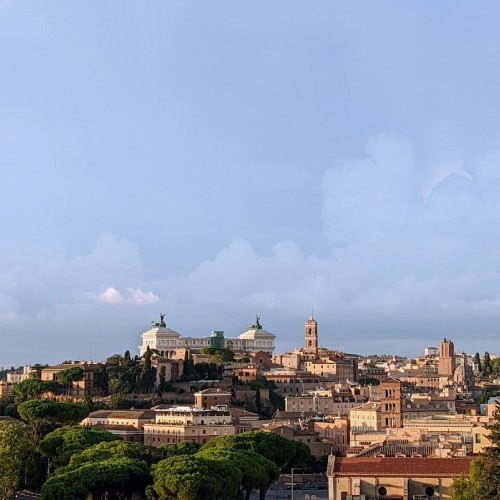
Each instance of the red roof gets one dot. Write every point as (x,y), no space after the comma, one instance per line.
(399,466)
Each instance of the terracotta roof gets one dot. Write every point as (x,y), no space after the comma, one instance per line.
(240,412)
(143,414)
(391,466)
(291,415)
(213,390)
(391,449)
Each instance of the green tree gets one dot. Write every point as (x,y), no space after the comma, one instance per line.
(113,478)
(257,472)
(37,370)
(15,453)
(477,362)
(188,365)
(44,416)
(495,365)
(483,482)
(283,452)
(67,377)
(8,406)
(162,380)
(218,355)
(148,375)
(59,445)
(258,400)
(112,449)
(100,386)
(193,477)
(487,363)
(32,388)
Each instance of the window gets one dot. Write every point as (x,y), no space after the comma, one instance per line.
(382,491)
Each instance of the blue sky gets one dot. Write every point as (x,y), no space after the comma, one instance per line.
(218,160)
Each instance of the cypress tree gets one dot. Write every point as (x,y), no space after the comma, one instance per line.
(477,362)
(147,379)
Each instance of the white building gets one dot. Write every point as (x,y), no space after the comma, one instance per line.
(15,378)
(169,342)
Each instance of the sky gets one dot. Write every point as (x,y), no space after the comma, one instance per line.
(220,160)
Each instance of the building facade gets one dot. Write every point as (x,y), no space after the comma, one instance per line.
(393,478)
(171,344)
(184,423)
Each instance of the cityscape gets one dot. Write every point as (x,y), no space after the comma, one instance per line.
(382,426)
(250,250)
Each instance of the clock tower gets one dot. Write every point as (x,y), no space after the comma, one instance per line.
(311,335)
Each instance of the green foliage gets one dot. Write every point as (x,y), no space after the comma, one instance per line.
(15,451)
(8,406)
(61,444)
(477,361)
(148,373)
(32,388)
(101,381)
(258,400)
(44,416)
(113,449)
(202,371)
(483,482)
(188,365)
(495,365)
(182,448)
(257,472)
(193,477)
(280,450)
(488,392)
(487,368)
(67,377)
(218,355)
(364,381)
(3,373)
(103,479)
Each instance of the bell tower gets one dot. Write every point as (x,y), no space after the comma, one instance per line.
(311,335)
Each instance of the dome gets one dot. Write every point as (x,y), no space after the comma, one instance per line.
(463,375)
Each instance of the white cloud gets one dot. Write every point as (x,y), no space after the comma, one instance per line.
(112,295)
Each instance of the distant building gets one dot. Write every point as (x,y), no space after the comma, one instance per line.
(79,388)
(208,398)
(15,378)
(5,388)
(174,424)
(366,418)
(331,365)
(392,400)
(324,402)
(292,382)
(127,424)
(171,344)
(446,362)
(302,434)
(431,351)
(393,477)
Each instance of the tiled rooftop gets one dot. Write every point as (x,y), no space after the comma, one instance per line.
(408,467)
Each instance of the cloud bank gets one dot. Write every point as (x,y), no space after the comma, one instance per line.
(402,269)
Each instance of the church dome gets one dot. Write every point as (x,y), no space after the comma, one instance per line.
(463,375)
